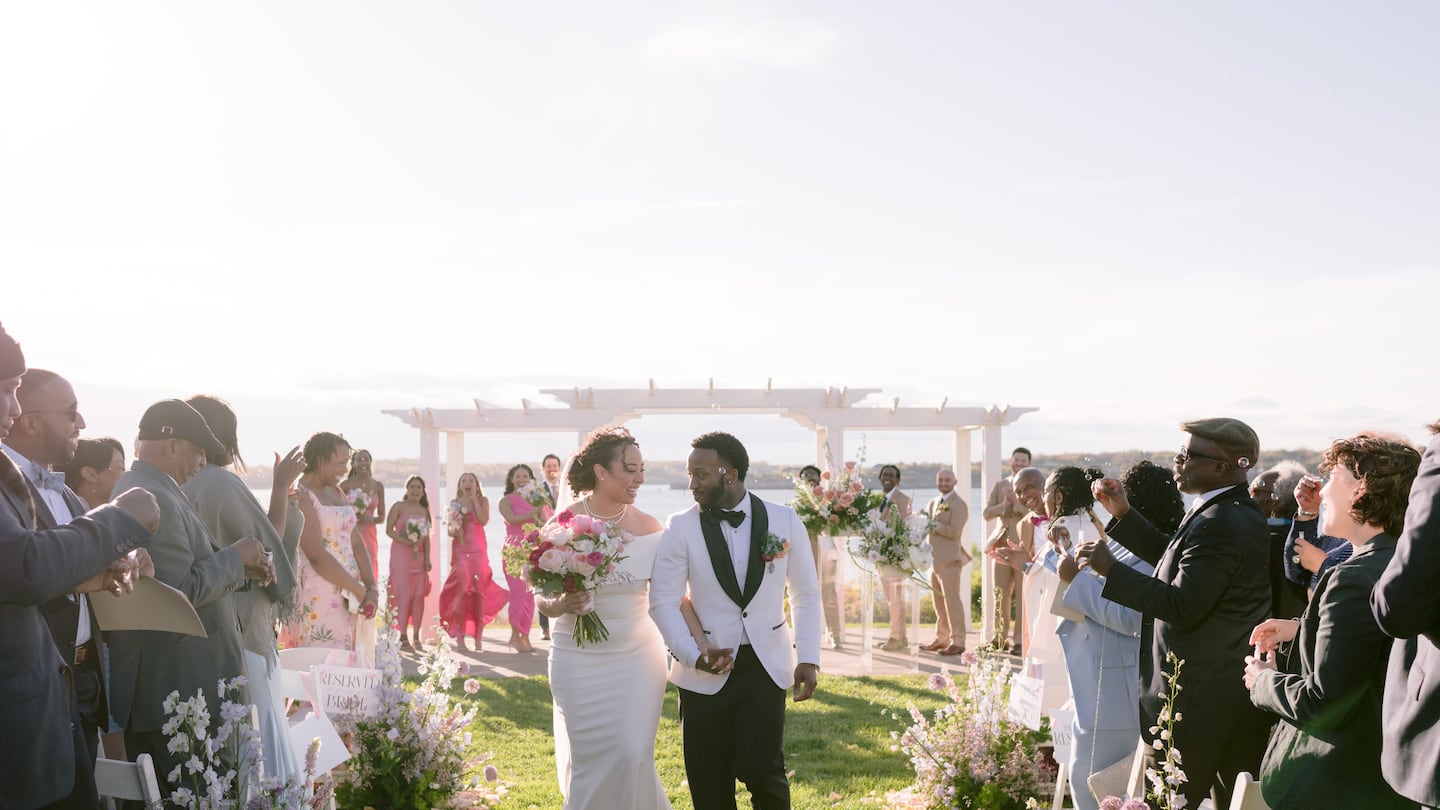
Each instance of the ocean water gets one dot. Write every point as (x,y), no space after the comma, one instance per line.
(655,499)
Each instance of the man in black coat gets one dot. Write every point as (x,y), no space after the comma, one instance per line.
(1406,603)
(44,762)
(1209,590)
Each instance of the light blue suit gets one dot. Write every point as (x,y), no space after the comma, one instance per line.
(1102,659)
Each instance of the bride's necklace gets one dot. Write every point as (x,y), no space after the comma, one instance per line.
(615,518)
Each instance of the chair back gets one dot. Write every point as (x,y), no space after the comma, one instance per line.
(131,781)
(302,658)
(1247,794)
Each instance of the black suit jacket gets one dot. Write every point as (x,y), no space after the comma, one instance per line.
(1211,587)
(61,613)
(1406,602)
(40,738)
(1326,750)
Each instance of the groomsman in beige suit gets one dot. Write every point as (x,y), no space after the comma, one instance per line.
(1004,506)
(947,543)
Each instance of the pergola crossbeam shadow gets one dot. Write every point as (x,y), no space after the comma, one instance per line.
(829,412)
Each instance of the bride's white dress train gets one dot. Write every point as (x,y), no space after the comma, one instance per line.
(608,696)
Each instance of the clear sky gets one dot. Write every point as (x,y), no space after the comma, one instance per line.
(1123,213)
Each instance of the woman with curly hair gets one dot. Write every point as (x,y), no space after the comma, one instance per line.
(1329,680)
(608,694)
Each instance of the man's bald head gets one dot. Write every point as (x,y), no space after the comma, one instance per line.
(1030,489)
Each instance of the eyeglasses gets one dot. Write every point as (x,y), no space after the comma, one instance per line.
(1186,454)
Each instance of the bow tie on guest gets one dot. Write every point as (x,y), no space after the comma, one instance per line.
(51,480)
(732,516)
(1038,520)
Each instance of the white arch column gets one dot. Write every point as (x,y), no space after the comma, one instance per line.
(989,476)
(962,478)
(430,471)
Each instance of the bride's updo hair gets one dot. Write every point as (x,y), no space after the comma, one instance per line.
(604,447)
(1072,489)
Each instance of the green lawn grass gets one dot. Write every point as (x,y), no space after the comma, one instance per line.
(837,743)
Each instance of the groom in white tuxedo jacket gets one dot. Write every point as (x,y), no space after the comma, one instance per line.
(727,550)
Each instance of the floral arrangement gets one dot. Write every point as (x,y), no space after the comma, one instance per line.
(969,754)
(574,553)
(360,500)
(225,770)
(836,505)
(1166,782)
(894,545)
(536,496)
(411,754)
(418,530)
(455,519)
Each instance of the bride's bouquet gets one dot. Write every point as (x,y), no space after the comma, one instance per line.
(573,554)
(894,546)
(838,504)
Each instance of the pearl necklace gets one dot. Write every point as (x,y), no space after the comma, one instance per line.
(616,518)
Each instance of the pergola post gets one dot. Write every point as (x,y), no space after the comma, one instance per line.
(430,471)
(962,478)
(989,476)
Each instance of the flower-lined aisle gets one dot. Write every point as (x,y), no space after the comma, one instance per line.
(968,754)
(418,750)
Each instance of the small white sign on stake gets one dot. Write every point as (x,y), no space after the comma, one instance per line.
(347,690)
(1062,733)
(1026,695)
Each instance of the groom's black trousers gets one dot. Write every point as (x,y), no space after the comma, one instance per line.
(736,733)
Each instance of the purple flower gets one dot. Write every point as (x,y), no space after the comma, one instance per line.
(1134,804)
(938,682)
(491,774)
(1111,803)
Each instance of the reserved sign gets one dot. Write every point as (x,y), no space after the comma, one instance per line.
(1026,696)
(348,690)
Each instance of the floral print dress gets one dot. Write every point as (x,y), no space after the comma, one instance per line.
(323,614)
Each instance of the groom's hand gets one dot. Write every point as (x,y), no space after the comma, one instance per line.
(805,675)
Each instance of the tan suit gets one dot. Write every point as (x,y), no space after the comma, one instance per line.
(947,543)
(1007,575)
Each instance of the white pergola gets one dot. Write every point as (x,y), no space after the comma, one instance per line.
(830,412)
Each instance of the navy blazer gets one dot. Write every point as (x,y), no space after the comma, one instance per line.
(61,613)
(1211,587)
(1406,602)
(38,764)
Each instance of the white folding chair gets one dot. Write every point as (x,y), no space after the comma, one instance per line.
(131,781)
(301,659)
(1247,794)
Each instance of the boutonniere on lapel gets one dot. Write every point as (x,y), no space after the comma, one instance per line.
(772,548)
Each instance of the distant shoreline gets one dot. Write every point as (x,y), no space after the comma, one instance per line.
(764,475)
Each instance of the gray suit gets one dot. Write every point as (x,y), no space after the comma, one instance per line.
(42,754)
(147,665)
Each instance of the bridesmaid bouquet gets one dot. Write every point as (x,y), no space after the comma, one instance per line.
(360,500)
(535,496)
(417,530)
(894,545)
(573,554)
(455,519)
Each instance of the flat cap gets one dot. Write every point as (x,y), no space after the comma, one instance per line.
(1232,435)
(175,419)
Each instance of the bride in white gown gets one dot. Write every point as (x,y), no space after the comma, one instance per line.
(608,695)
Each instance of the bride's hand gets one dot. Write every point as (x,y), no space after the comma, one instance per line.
(569,603)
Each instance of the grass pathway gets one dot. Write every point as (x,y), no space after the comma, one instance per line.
(837,743)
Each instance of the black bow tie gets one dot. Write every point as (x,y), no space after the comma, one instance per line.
(732,516)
